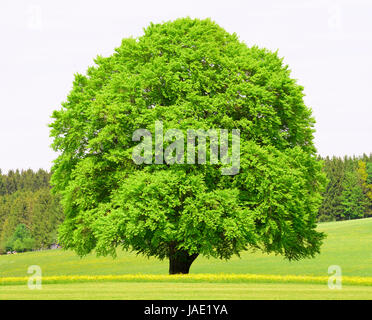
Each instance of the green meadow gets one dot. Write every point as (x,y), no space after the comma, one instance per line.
(348,245)
(185,291)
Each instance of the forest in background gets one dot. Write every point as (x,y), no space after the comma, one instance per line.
(30,214)
(349,191)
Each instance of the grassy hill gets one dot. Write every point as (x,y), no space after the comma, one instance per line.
(348,244)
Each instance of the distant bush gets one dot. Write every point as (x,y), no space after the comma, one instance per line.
(21,240)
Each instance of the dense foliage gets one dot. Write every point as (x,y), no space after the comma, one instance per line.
(349,192)
(189,74)
(29,213)
(347,196)
(21,240)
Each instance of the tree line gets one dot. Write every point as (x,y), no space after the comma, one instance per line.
(30,213)
(349,191)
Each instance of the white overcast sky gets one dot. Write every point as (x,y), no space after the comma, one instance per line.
(327,45)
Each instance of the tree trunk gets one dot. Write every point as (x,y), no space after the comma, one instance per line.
(180,261)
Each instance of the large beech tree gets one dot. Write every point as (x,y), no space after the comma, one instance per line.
(187,73)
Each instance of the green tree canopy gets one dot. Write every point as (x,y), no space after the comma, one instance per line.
(188,73)
(21,239)
(30,203)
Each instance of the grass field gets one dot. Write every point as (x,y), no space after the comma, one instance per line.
(185,291)
(348,245)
